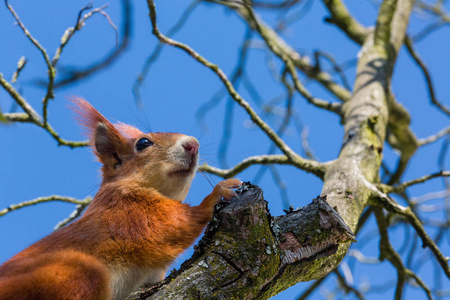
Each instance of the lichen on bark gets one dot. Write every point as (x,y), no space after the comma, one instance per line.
(247,253)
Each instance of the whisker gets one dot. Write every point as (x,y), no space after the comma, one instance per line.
(145,126)
(208,179)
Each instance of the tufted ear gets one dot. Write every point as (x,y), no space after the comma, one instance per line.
(108,143)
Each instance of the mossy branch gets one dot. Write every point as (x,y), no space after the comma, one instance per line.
(245,251)
(346,22)
(383,30)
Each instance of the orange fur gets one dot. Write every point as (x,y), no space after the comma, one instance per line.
(133,229)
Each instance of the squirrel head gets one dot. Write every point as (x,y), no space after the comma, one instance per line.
(166,162)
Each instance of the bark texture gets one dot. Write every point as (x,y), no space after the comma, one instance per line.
(246,253)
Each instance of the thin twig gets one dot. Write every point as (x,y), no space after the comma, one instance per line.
(434,137)
(382,200)
(401,187)
(20,65)
(346,287)
(426,74)
(314,168)
(312,288)
(75,214)
(387,251)
(50,68)
(34,116)
(42,200)
(73,76)
(140,78)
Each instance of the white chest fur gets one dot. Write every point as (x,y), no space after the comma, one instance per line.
(125,280)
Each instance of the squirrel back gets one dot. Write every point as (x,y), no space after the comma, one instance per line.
(135,226)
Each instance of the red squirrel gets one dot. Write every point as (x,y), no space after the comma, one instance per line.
(135,226)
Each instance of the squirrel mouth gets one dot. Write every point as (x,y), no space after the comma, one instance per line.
(185,169)
(184,172)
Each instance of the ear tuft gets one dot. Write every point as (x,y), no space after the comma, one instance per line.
(86,115)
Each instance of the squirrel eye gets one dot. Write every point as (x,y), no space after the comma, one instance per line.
(143,143)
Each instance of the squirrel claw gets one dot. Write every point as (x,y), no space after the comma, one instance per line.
(224,188)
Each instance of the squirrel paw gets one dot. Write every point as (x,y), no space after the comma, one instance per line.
(224,188)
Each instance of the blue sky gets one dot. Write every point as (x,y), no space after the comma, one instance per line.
(33,165)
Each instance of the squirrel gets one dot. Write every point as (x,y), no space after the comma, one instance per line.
(135,226)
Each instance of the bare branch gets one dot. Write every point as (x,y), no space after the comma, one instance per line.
(50,68)
(426,74)
(382,200)
(387,251)
(31,38)
(361,258)
(80,22)
(327,105)
(18,117)
(347,288)
(33,115)
(72,76)
(20,65)
(158,49)
(401,187)
(336,68)
(346,22)
(420,282)
(75,214)
(312,288)
(13,207)
(434,137)
(311,167)
(334,107)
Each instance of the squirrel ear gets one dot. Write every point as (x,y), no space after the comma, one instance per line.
(108,143)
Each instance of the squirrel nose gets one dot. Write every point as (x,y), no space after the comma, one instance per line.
(191,147)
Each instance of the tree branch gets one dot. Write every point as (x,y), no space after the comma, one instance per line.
(311,167)
(73,76)
(402,187)
(426,74)
(13,207)
(245,251)
(435,137)
(382,200)
(346,22)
